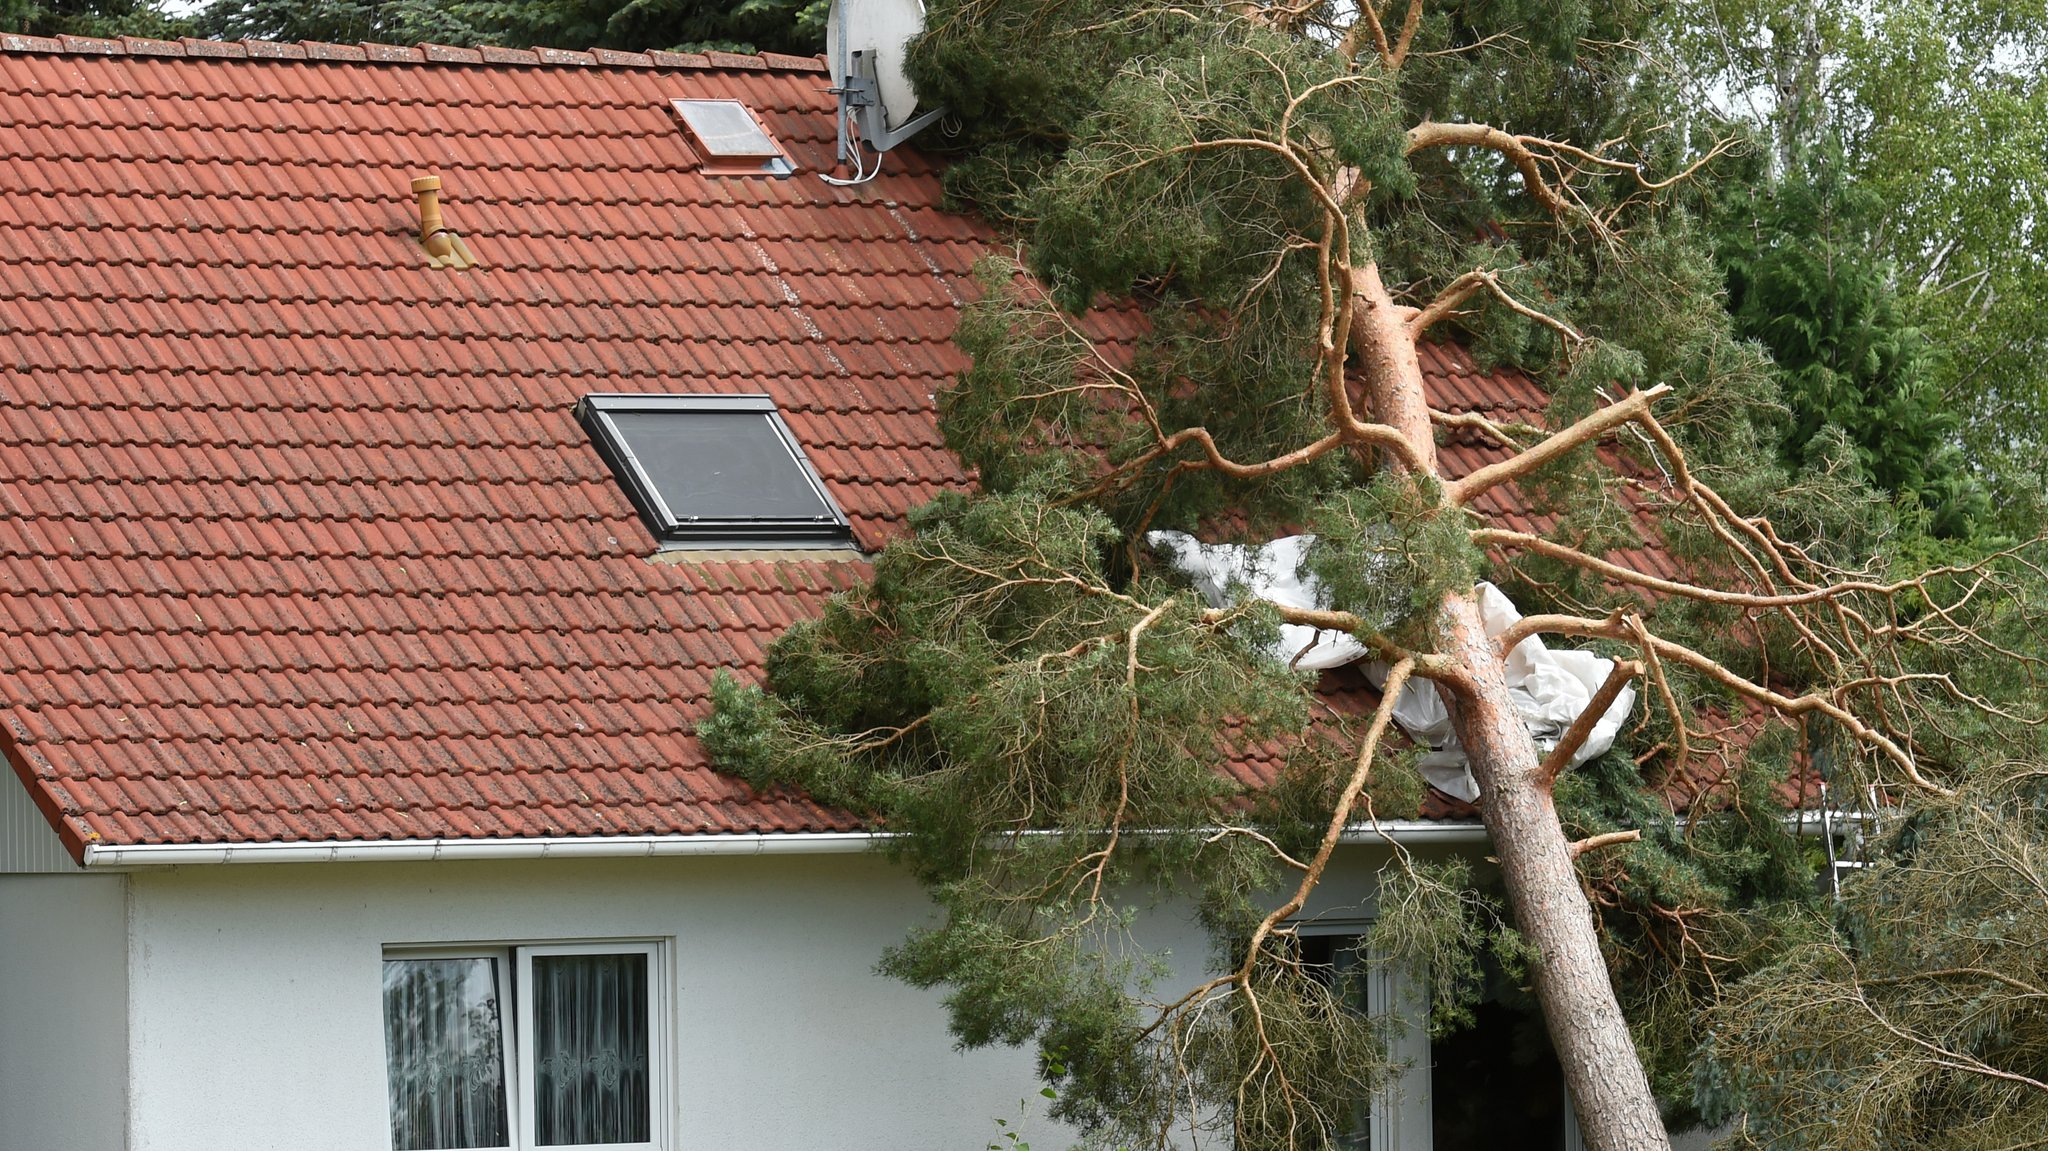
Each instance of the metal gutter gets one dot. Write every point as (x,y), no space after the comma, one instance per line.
(433,850)
(1405,832)
(1415,833)
(98,855)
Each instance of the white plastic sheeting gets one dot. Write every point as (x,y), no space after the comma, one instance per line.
(1549,688)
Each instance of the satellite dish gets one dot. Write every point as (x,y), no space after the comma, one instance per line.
(865,47)
(879,28)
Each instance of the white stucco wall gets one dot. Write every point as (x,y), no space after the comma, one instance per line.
(63,1012)
(257,1011)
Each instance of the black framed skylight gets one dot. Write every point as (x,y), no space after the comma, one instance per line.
(714,471)
(730,139)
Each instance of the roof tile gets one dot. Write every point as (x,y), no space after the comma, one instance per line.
(794,63)
(92,45)
(445,54)
(492,54)
(301,536)
(731,60)
(392,54)
(272,50)
(321,512)
(678,59)
(196,47)
(320,50)
(562,56)
(613,58)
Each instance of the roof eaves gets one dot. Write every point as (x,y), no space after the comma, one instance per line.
(487,56)
(1407,833)
(41,792)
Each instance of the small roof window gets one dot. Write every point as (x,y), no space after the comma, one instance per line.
(730,139)
(714,471)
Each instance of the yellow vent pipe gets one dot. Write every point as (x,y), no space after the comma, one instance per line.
(442,245)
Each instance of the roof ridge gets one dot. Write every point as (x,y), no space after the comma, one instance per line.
(424,53)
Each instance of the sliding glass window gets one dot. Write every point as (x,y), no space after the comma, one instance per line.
(523,1047)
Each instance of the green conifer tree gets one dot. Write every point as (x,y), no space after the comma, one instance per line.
(1293,197)
(792,26)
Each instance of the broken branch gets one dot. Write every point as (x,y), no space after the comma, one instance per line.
(1678,653)
(1596,842)
(1523,541)
(1575,736)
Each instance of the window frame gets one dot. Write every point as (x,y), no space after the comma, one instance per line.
(657,1062)
(1398,1119)
(775,163)
(1401,1118)
(595,412)
(516,1028)
(503,957)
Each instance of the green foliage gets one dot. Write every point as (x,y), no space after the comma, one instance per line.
(1438,925)
(1009,985)
(1690,907)
(91,18)
(1321,1043)
(1049,719)
(1133,202)
(1922,1020)
(1947,116)
(793,26)
(985,630)
(1018,110)
(1389,552)
(1938,112)
(337,21)
(1803,282)
(1017,415)
(1730,402)
(1057,727)
(976,697)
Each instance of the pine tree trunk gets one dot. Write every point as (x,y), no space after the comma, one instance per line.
(1609,1089)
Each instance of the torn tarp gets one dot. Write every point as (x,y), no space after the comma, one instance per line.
(1549,688)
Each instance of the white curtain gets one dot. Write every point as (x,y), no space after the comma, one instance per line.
(590,1049)
(443,1051)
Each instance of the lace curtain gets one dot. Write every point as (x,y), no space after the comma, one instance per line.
(590,1049)
(443,1050)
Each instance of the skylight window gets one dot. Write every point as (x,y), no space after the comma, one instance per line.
(730,139)
(714,471)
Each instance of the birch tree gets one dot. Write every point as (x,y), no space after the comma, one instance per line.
(1241,224)
(1937,113)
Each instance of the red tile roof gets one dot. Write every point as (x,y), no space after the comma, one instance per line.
(301,538)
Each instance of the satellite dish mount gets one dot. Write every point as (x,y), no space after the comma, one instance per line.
(864,42)
(860,103)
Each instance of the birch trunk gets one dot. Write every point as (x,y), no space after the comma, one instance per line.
(1609,1089)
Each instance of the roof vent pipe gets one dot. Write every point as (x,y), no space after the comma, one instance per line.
(444,248)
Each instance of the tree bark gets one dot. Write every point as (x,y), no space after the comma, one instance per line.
(1609,1089)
